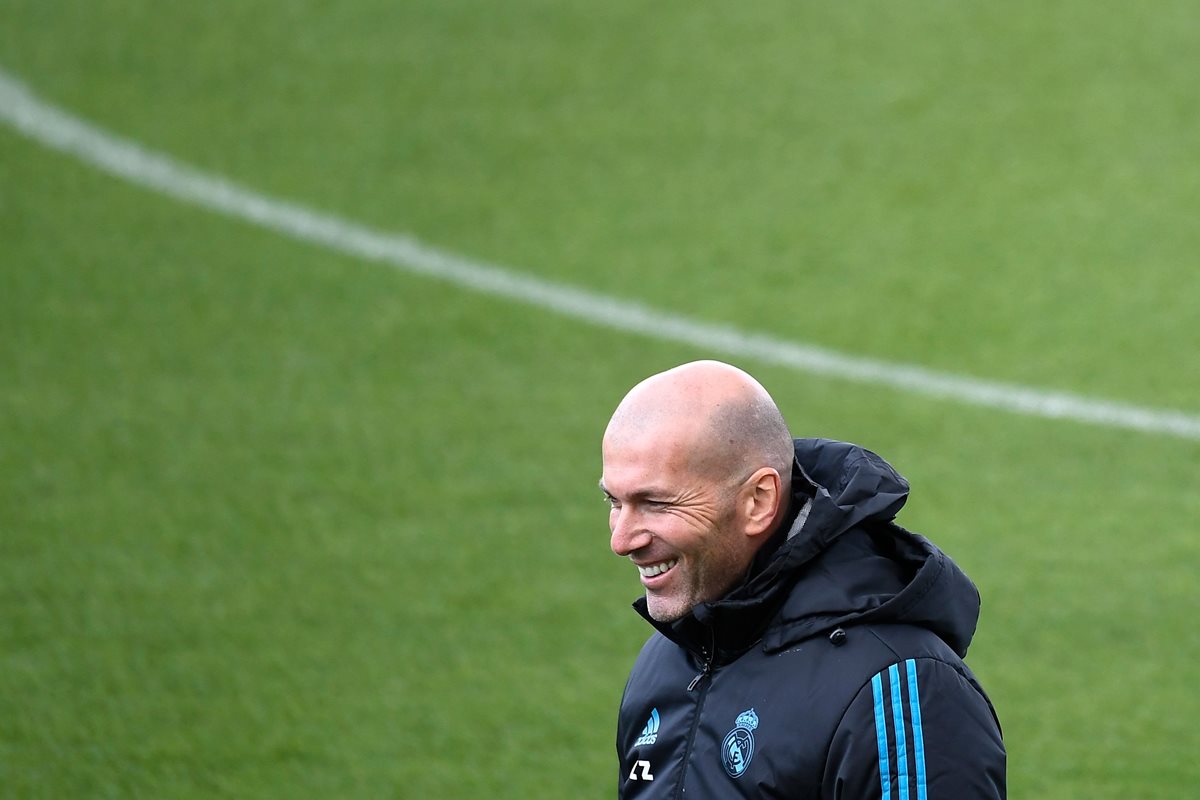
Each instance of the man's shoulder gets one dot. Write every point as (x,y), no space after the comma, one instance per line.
(900,642)
(841,662)
(862,651)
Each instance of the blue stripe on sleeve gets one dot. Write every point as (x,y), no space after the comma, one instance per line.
(914,703)
(885,777)
(898,723)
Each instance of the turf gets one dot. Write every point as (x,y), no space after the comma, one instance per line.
(275,522)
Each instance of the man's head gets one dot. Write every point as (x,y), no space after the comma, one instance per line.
(697,469)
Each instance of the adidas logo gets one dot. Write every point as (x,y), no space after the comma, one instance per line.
(650,732)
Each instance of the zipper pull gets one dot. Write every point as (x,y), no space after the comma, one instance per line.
(707,655)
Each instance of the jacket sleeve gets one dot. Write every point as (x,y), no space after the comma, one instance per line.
(921,730)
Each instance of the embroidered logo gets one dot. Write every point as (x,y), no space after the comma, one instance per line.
(738,747)
(649,733)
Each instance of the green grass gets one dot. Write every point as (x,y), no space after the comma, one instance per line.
(276,522)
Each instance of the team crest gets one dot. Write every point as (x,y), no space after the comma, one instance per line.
(738,747)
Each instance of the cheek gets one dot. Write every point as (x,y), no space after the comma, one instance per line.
(715,553)
(694,543)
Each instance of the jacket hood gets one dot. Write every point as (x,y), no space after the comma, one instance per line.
(838,559)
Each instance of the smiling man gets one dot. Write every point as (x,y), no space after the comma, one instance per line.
(695,468)
(806,646)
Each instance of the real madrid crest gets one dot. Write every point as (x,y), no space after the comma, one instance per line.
(738,747)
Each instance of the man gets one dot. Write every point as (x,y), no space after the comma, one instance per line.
(806,645)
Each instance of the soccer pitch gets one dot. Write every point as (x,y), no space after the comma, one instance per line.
(278,519)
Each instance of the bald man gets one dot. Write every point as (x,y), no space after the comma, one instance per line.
(806,646)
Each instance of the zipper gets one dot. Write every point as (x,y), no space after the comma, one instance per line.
(705,671)
(706,659)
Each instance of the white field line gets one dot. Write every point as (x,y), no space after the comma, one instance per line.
(59,130)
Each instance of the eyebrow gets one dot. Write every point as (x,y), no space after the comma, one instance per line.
(648,493)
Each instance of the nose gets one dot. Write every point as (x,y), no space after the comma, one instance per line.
(627,535)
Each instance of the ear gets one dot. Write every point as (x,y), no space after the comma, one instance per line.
(760,500)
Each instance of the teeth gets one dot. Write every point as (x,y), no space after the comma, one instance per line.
(657,569)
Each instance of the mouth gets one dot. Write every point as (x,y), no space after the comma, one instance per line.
(652,574)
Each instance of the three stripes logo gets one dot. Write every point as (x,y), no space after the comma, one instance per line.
(898,733)
(649,733)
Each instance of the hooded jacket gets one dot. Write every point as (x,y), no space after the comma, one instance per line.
(833,671)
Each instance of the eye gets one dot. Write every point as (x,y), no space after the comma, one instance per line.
(657,505)
(612,501)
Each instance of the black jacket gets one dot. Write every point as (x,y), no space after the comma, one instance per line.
(834,671)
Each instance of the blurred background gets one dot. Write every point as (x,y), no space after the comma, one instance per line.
(281,521)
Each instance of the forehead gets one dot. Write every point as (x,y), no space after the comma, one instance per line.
(659,460)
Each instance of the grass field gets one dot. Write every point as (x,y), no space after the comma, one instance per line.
(277,521)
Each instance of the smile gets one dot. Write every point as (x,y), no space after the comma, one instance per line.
(657,569)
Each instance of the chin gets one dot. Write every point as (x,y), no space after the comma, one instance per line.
(662,610)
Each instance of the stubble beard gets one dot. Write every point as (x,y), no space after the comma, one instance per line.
(720,573)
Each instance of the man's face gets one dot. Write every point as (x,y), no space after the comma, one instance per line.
(674,522)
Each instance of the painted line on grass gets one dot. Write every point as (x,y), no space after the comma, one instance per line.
(52,127)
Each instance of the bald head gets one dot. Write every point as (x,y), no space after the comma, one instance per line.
(697,473)
(720,417)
